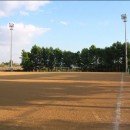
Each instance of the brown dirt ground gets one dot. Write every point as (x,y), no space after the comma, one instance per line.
(62,101)
(125,107)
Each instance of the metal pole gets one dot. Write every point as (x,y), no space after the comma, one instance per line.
(126,48)
(124,18)
(11,25)
(11,52)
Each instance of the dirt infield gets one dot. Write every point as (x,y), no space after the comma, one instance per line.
(64,101)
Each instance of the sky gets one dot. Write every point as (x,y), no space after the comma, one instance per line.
(68,25)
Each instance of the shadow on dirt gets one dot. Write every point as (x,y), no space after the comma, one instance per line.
(21,93)
(63,125)
(58,125)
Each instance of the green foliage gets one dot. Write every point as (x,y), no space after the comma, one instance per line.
(26,62)
(93,59)
(36,58)
(58,57)
(68,58)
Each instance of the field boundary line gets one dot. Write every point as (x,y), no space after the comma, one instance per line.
(118,106)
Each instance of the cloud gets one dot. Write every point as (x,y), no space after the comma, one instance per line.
(24,13)
(7,7)
(10,7)
(64,22)
(22,36)
(34,5)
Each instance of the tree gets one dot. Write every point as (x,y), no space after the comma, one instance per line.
(85,59)
(118,55)
(44,57)
(99,63)
(128,56)
(36,58)
(93,59)
(58,57)
(108,59)
(26,61)
(77,59)
(67,59)
(50,58)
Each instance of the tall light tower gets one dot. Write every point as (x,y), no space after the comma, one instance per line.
(124,18)
(11,26)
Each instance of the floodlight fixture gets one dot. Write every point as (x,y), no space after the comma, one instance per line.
(124,17)
(11,25)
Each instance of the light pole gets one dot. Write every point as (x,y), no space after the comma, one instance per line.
(124,18)
(11,25)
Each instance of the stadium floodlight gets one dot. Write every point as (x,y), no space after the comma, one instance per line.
(124,18)
(11,26)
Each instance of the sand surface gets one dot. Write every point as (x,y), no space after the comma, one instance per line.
(63,101)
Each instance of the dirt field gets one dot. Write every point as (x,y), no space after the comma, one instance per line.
(64,101)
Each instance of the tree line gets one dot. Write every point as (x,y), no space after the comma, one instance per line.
(108,59)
